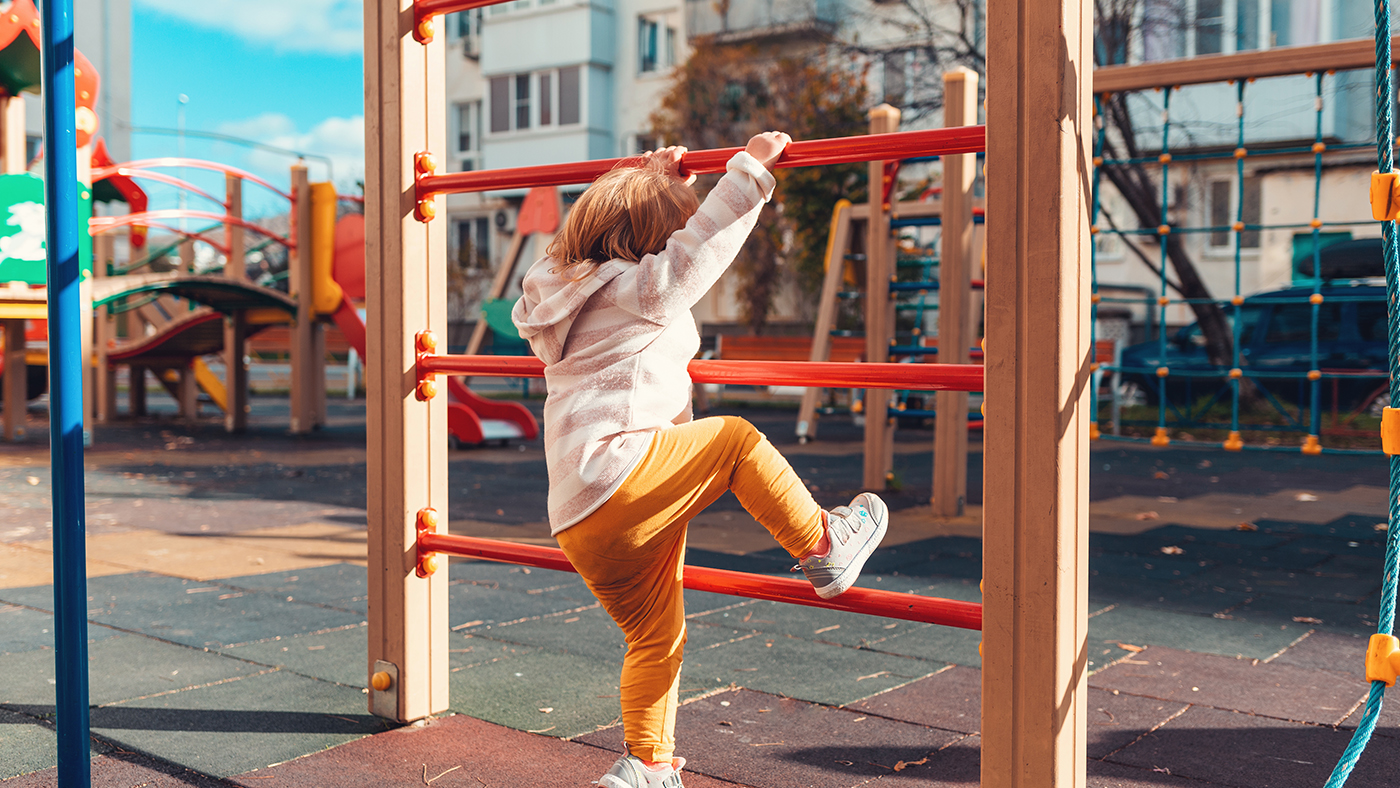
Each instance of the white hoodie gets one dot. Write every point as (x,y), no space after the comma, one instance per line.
(616,344)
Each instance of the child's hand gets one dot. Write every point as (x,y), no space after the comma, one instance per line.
(767,147)
(670,159)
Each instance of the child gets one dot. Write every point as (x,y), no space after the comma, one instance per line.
(608,311)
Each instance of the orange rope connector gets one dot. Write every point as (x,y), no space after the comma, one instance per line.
(1162,372)
(1233,442)
(1311,446)
(1095,298)
(1315,298)
(1390,430)
(984,410)
(1319,147)
(1093,366)
(1237,227)
(1237,300)
(1384,205)
(1160,438)
(1094,431)
(1383,659)
(1165,158)
(1314,374)
(1163,300)
(1315,223)
(1093,229)
(1236,373)
(1098,161)
(1240,153)
(858,406)
(1164,229)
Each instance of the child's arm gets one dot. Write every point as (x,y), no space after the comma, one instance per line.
(695,257)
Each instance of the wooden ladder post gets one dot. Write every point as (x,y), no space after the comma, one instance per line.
(879,264)
(236,324)
(188,388)
(305,363)
(406,285)
(1036,456)
(104,332)
(839,243)
(954,298)
(16,381)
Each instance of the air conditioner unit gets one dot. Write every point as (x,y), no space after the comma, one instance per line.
(505,222)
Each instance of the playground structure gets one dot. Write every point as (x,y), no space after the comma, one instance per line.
(1320,63)
(1036,376)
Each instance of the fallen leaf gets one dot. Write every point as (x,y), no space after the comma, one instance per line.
(1135,662)
(547,709)
(1203,464)
(1305,497)
(857,719)
(33,480)
(902,765)
(1247,527)
(1131,647)
(1166,499)
(1147,515)
(768,744)
(1172,550)
(726,723)
(500,512)
(724,703)
(546,730)
(1382,526)
(846,763)
(1160,475)
(873,675)
(827,629)
(1307,620)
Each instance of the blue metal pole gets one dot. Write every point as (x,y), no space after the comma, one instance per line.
(65,396)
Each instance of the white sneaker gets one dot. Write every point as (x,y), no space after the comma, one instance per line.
(855,532)
(631,772)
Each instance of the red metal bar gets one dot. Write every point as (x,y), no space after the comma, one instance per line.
(830,374)
(812,153)
(423,9)
(101,224)
(908,607)
(199,164)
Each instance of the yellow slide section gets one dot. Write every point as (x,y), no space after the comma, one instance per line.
(211,384)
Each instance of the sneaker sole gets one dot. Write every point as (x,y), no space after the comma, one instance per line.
(847,578)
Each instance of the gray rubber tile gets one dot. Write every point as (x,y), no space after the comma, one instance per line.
(22,629)
(342,586)
(761,740)
(25,745)
(518,578)
(1388,724)
(1351,527)
(191,612)
(119,668)
(471,606)
(1189,596)
(951,700)
(1346,587)
(1338,652)
(1182,535)
(1142,626)
(1372,548)
(338,655)
(537,690)
(933,643)
(589,633)
(125,769)
(815,672)
(1227,748)
(1153,568)
(811,623)
(455,752)
(1281,611)
(238,725)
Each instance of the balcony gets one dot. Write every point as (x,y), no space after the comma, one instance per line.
(758,20)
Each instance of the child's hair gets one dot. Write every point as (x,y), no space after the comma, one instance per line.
(626,214)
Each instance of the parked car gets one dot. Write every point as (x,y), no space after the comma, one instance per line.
(1276,336)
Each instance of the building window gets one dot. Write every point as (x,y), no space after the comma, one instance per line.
(469,134)
(670,47)
(894,73)
(474,243)
(647,32)
(1224,210)
(570,96)
(541,98)
(1210,26)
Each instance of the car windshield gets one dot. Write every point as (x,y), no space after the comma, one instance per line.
(1293,323)
(1249,319)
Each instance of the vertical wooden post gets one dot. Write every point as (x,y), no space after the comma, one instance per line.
(839,244)
(187,256)
(104,331)
(879,264)
(406,284)
(136,391)
(16,380)
(1039,124)
(13,147)
(188,388)
(303,350)
(235,326)
(954,298)
(318,392)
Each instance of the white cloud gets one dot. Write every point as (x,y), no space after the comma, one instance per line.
(342,140)
(333,26)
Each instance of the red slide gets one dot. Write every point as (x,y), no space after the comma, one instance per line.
(471,419)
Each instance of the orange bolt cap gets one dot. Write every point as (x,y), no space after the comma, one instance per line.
(425,163)
(426,210)
(427,389)
(425,31)
(426,342)
(381,681)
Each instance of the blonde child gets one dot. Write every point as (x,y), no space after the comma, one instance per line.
(608,311)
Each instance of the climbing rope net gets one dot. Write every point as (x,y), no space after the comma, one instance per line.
(1178,390)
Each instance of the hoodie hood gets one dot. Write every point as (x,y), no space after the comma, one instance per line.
(546,311)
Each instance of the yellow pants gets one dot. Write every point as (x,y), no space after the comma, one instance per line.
(631,549)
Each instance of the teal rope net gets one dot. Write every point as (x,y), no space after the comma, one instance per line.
(1385,162)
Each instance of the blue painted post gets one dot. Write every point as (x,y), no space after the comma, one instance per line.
(65,396)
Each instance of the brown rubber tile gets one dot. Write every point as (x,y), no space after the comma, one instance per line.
(951,700)
(1338,652)
(1389,722)
(1244,750)
(1116,721)
(1281,691)
(772,742)
(453,752)
(123,770)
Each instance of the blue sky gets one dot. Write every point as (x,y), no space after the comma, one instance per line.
(283,72)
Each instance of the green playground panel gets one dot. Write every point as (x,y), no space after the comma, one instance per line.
(22,233)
